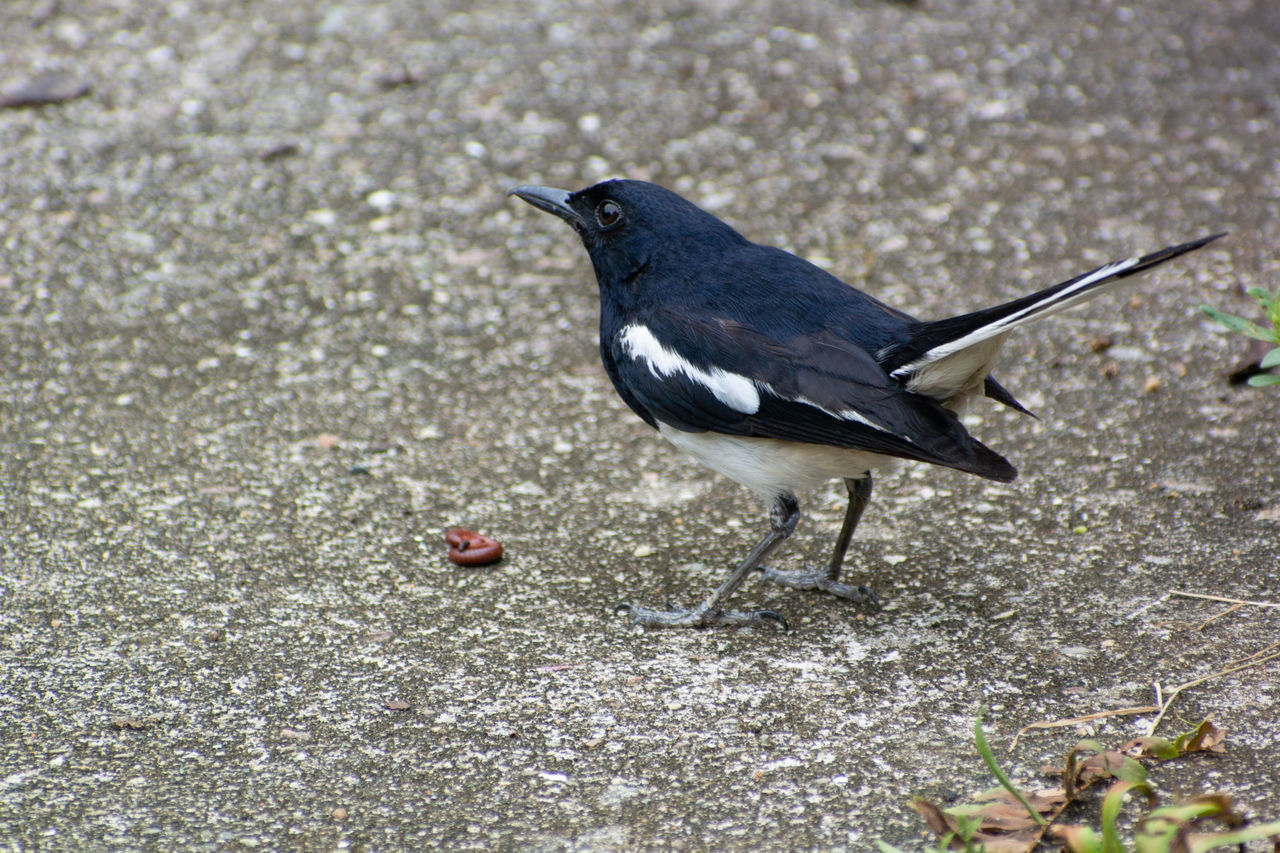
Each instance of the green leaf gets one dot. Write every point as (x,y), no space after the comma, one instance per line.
(1161,748)
(1189,811)
(1262,380)
(1155,833)
(1130,771)
(1240,324)
(1270,360)
(886,847)
(967,828)
(1111,805)
(1233,838)
(1090,746)
(1080,839)
(1264,297)
(980,741)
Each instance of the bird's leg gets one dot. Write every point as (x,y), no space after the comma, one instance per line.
(828,579)
(783,517)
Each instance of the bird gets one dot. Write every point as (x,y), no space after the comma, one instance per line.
(780,376)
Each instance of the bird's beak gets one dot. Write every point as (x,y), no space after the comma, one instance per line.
(551,200)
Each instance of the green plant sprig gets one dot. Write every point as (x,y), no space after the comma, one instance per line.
(1270,303)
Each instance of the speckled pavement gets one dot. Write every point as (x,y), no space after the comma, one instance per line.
(268,326)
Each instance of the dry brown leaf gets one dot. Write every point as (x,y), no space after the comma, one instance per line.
(1005,826)
(1095,767)
(1011,842)
(940,824)
(1208,738)
(1044,801)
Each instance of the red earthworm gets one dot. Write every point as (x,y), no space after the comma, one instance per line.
(468,548)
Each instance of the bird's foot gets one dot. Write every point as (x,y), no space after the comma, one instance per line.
(703,617)
(819,580)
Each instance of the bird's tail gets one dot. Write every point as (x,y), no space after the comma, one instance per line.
(942,357)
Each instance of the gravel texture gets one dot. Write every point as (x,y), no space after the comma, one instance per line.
(270,326)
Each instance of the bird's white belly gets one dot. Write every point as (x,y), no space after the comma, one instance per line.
(770,467)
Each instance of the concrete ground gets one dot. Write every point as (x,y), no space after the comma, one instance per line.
(269,326)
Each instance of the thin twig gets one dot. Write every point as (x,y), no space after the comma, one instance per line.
(1097,715)
(1223,598)
(1232,609)
(1248,662)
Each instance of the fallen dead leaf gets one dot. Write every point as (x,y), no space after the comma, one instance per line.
(1006,826)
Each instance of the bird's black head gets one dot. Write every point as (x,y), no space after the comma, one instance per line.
(627,225)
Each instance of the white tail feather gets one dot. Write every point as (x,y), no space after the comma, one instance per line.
(958,367)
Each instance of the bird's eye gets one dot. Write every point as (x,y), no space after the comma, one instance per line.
(608,213)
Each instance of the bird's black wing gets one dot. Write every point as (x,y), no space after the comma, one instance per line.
(701,373)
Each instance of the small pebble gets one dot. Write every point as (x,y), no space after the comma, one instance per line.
(382,200)
(43,89)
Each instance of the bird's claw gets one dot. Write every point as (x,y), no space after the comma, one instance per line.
(773,615)
(866,596)
(819,580)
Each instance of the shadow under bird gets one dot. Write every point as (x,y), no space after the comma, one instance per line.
(780,376)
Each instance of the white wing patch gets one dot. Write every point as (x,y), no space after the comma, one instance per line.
(736,391)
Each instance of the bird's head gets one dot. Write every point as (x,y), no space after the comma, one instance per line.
(626,225)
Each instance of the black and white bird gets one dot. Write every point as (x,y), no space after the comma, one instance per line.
(780,376)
